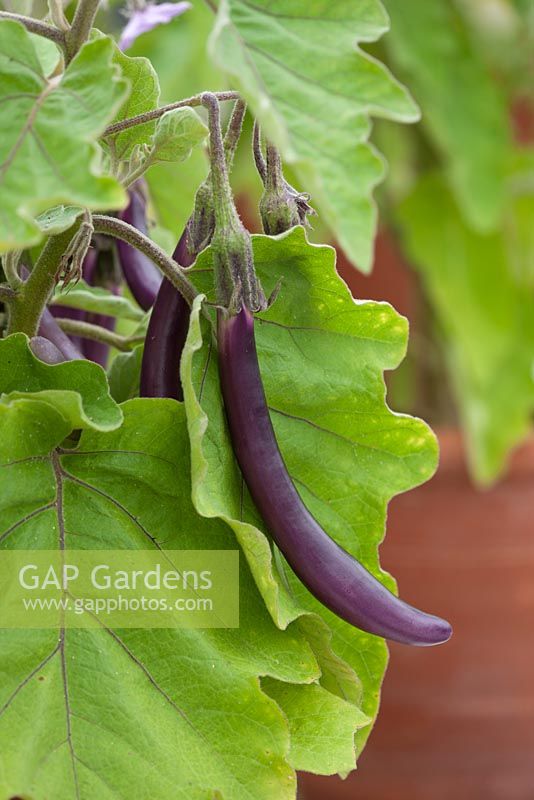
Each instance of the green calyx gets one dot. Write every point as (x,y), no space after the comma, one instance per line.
(235,278)
(203,219)
(281,206)
(278,207)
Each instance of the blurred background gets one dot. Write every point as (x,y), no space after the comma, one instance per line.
(455,254)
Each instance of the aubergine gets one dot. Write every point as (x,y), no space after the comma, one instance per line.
(329,572)
(166,335)
(46,351)
(142,276)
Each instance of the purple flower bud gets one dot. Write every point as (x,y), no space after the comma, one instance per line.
(150,17)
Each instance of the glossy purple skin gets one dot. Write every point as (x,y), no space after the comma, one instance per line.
(49,329)
(91,349)
(166,335)
(142,276)
(331,574)
(46,351)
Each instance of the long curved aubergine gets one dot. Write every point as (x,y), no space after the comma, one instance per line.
(142,276)
(166,335)
(331,574)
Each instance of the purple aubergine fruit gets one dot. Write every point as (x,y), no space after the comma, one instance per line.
(92,349)
(46,351)
(166,335)
(50,330)
(141,275)
(330,573)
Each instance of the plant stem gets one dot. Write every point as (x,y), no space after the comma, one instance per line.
(6,294)
(236,283)
(81,26)
(274,178)
(10,263)
(29,303)
(87,330)
(38,27)
(137,172)
(256,149)
(141,119)
(127,233)
(233,132)
(225,212)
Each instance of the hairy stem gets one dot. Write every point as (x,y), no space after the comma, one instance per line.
(30,302)
(274,179)
(127,233)
(10,264)
(141,119)
(233,132)
(259,160)
(81,26)
(38,27)
(87,330)
(137,172)
(6,294)
(225,212)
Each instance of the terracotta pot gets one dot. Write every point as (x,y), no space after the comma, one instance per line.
(457,720)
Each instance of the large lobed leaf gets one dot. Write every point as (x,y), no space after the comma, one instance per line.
(298,65)
(41,404)
(176,712)
(143,97)
(48,132)
(486,316)
(143,713)
(464,109)
(322,357)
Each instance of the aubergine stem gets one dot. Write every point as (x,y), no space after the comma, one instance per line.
(141,275)
(331,574)
(166,334)
(169,321)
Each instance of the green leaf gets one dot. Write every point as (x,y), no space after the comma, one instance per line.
(40,404)
(125,374)
(143,97)
(97,300)
(58,219)
(178,53)
(314,92)
(138,713)
(518,228)
(48,149)
(346,451)
(47,53)
(464,110)
(172,191)
(177,133)
(321,727)
(486,318)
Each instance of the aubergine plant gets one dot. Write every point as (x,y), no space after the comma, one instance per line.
(229,396)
